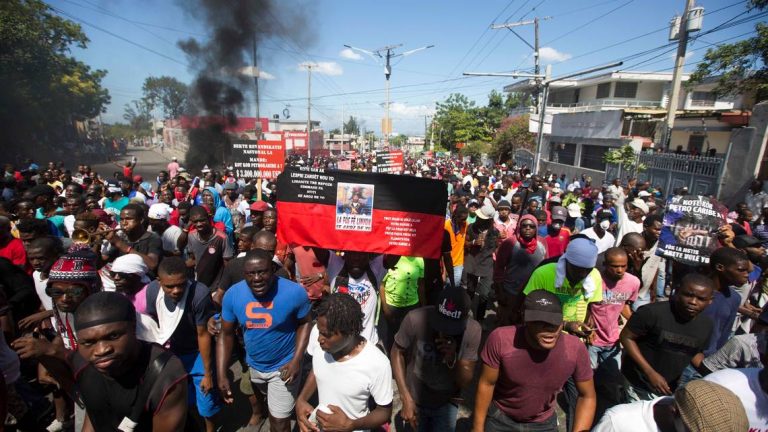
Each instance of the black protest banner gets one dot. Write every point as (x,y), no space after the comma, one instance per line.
(357,211)
(689,234)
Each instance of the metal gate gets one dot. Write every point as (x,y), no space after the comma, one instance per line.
(670,171)
(523,157)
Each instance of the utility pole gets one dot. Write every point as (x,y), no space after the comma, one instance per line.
(309,67)
(387,53)
(682,45)
(256,73)
(534,47)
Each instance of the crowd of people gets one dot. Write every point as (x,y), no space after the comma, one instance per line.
(136,304)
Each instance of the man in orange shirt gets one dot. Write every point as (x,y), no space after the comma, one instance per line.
(456,227)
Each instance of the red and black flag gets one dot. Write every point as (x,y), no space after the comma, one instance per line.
(379,213)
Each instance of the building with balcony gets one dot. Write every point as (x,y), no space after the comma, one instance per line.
(586,117)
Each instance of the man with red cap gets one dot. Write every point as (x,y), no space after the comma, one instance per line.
(257,214)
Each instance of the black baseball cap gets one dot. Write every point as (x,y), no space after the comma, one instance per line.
(543,306)
(450,314)
(559,213)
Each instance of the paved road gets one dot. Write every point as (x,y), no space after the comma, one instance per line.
(150,163)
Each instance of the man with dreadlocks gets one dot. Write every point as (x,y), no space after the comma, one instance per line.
(338,350)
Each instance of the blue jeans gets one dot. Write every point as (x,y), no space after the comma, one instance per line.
(437,419)
(497,421)
(661,283)
(457,271)
(689,374)
(605,356)
(641,301)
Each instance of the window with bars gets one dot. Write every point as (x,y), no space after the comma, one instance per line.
(603,90)
(703,99)
(563,153)
(592,157)
(626,90)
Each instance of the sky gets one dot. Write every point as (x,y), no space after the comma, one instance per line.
(135,39)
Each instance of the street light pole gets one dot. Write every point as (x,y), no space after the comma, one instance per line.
(309,67)
(677,75)
(387,53)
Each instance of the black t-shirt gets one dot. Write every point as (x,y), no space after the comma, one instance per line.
(198,308)
(233,273)
(666,342)
(108,400)
(432,272)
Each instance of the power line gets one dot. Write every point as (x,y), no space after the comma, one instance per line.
(589,22)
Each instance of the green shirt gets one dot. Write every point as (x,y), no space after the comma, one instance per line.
(401,284)
(574,302)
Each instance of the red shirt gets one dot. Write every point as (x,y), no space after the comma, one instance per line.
(14,251)
(529,380)
(128,173)
(556,244)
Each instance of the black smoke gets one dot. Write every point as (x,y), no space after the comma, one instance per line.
(219,91)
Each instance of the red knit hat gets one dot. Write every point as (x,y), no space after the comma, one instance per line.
(74,269)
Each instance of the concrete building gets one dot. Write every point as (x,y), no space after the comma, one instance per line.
(586,117)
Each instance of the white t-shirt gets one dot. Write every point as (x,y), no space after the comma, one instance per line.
(169,237)
(603,244)
(745,384)
(69,224)
(40,285)
(631,417)
(362,290)
(350,383)
(626,225)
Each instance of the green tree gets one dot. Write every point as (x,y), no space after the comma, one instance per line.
(475,149)
(493,113)
(398,140)
(516,100)
(459,120)
(513,134)
(335,131)
(742,66)
(166,93)
(138,115)
(42,88)
(352,126)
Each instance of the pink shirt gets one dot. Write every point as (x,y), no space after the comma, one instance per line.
(173,169)
(308,265)
(139,300)
(606,312)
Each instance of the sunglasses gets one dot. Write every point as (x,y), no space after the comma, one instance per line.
(120,275)
(72,292)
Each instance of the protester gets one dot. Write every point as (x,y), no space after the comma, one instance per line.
(338,350)
(699,406)
(433,359)
(538,348)
(661,339)
(273,314)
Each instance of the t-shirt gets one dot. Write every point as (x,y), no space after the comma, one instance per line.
(148,243)
(209,256)
(573,299)
(741,351)
(401,282)
(234,273)
(606,312)
(529,380)
(14,252)
(269,323)
(631,417)
(9,362)
(514,265)
(745,383)
(457,242)
(351,383)
(557,243)
(478,260)
(361,289)
(722,311)
(109,400)
(40,285)
(307,264)
(169,238)
(430,381)
(666,342)
(603,244)
(197,310)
